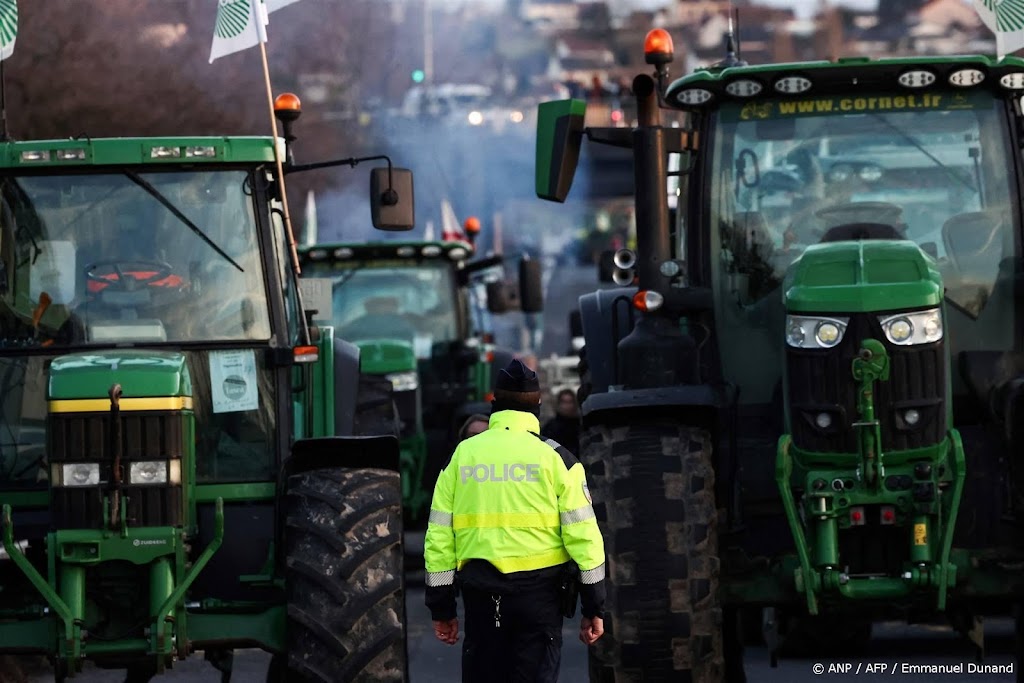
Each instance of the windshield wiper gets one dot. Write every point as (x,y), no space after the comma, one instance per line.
(938,162)
(339,282)
(157,195)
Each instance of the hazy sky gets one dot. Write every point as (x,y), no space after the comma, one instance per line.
(806,7)
(803,8)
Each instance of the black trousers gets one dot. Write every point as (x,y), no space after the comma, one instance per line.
(525,648)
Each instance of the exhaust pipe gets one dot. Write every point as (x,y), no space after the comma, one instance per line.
(624,259)
(623,277)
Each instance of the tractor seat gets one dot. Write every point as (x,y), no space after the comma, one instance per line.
(972,241)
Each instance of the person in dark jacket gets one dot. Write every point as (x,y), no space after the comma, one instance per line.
(474,424)
(564,427)
(510,519)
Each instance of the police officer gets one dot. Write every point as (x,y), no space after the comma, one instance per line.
(512,514)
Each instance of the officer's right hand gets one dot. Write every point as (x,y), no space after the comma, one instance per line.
(447,631)
(591,630)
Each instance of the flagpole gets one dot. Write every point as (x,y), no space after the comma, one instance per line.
(3,104)
(293,250)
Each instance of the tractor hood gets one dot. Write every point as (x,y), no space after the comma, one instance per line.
(862,276)
(383,356)
(140,373)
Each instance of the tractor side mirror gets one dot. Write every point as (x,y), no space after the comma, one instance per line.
(391,199)
(531,288)
(500,297)
(559,137)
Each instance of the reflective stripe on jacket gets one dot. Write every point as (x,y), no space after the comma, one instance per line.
(515,500)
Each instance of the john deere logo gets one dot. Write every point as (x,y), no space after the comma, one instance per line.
(232,18)
(1007,14)
(8,25)
(234,387)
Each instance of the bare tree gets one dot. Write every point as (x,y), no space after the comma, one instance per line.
(105,68)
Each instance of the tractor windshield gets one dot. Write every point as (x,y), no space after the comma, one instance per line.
(129,257)
(933,168)
(133,258)
(414,302)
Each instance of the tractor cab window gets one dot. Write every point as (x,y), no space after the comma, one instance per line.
(933,168)
(285,272)
(22,422)
(414,302)
(129,257)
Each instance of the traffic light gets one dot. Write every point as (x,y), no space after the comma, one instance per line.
(418,75)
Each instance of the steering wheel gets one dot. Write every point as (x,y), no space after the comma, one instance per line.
(860,212)
(112,274)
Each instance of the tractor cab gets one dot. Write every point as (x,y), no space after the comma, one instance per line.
(417,311)
(166,409)
(928,164)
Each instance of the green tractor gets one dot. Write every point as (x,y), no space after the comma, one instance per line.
(416,311)
(807,404)
(174,474)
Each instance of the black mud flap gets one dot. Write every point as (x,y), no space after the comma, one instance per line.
(343,451)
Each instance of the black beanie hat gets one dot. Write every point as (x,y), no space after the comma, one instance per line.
(517,377)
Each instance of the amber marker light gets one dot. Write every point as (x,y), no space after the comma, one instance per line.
(306,354)
(658,47)
(287,106)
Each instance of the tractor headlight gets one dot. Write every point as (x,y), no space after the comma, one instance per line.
(906,329)
(404,381)
(78,474)
(813,332)
(148,472)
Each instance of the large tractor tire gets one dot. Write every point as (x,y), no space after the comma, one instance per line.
(344,575)
(583,370)
(654,497)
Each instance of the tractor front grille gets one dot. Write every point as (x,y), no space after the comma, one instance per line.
(821,381)
(145,436)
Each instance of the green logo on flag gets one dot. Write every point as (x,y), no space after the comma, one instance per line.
(1009,14)
(232,18)
(8,26)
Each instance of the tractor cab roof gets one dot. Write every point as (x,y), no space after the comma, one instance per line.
(846,76)
(455,251)
(79,152)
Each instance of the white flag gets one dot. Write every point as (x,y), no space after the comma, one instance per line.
(274,5)
(451,229)
(9,27)
(1005,18)
(241,24)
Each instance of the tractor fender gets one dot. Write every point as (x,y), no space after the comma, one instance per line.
(342,451)
(607,316)
(702,404)
(346,386)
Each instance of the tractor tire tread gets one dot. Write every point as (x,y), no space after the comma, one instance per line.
(653,490)
(344,577)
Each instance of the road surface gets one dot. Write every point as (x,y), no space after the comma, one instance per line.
(893,645)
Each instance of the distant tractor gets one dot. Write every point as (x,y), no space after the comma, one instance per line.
(416,310)
(173,475)
(811,400)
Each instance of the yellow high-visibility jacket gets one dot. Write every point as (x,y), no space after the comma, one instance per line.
(516,500)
